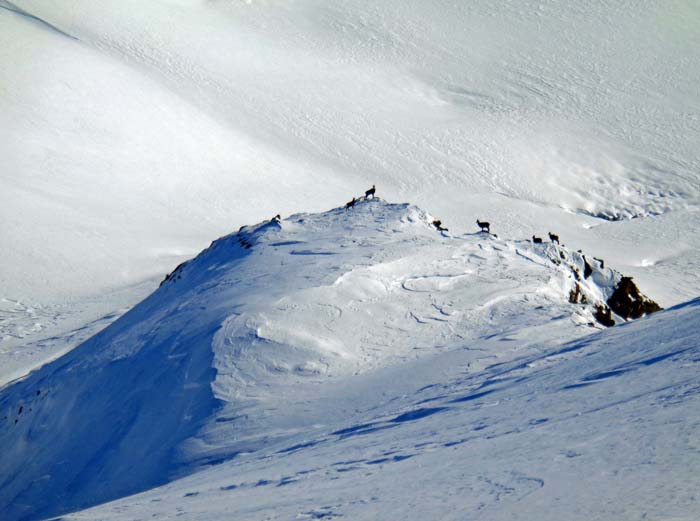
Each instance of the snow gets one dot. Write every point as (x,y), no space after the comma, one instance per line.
(263,340)
(134,133)
(134,139)
(598,428)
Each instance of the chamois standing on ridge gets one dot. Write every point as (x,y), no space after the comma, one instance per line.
(536,240)
(553,238)
(350,203)
(438,224)
(485,226)
(370,192)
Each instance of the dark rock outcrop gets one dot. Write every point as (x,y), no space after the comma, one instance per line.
(576,296)
(628,302)
(604,315)
(175,274)
(587,268)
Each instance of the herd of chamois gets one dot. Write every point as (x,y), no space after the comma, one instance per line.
(352,201)
(484,226)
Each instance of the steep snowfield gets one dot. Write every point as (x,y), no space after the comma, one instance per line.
(136,132)
(245,346)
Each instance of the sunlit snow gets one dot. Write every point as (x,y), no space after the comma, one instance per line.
(357,363)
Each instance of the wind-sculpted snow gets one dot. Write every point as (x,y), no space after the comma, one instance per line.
(354,351)
(137,131)
(598,428)
(276,311)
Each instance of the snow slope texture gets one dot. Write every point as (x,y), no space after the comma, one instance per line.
(218,361)
(604,427)
(135,132)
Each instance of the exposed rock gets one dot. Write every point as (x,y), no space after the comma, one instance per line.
(576,296)
(604,315)
(628,302)
(607,294)
(175,274)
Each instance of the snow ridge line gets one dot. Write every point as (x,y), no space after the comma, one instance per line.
(9,6)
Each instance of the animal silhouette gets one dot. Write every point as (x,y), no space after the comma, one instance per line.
(438,224)
(553,238)
(370,192)
(485,226)
(350,203)
(536,240)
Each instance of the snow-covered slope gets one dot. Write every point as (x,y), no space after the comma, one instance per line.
(234,351)
(134,132)
(601,428)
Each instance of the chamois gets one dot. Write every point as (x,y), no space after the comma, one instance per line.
(438,224)
(553,238)
(370,192)
(351,203)
(536,240)
(485,227)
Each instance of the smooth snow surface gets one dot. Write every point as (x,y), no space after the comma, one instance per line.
(263,341)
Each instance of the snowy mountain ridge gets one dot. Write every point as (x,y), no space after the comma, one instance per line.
(351,364)
(134,130)
(269,316)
